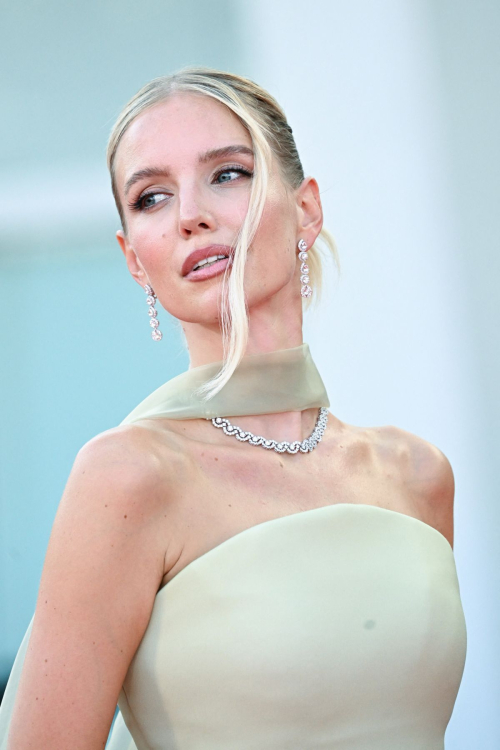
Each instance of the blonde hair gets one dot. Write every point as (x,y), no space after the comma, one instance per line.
(271,136)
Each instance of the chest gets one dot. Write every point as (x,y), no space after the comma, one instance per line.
(226,490)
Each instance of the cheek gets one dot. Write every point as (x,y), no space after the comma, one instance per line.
(276,233)
(153,242)
(272,262)
(230,214)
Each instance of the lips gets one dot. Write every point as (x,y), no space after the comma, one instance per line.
(202,254)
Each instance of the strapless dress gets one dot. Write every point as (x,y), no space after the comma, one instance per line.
(339,628)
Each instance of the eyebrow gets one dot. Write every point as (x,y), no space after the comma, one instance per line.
(213,153)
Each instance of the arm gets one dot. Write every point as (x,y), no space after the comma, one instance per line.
(103,567)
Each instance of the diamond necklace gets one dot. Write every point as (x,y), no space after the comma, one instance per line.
(305,446)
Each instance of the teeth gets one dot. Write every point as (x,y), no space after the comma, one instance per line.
(208,261)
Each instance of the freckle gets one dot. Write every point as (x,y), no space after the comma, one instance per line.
(37,698)
(216,459)
(105,506)
(281,464)
(45,659)
(229,504)
(124,516)
(45,601)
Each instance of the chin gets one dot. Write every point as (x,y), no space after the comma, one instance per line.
(204,315)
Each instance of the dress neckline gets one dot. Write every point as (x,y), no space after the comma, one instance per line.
(265,383)
(332,509)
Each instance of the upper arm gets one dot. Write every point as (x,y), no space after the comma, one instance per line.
(429,477)
(102,569)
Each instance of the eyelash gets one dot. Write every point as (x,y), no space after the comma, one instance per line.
(137,205)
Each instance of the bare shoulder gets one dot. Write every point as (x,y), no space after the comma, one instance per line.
(136,455)
(118,475)
(103,568)
(127,477)
(137,446)
(423,465)
(425,473)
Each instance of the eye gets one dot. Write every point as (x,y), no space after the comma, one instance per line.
(224,174)
(151,199)
(147,201)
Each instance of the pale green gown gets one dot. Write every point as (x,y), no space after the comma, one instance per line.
(336,628)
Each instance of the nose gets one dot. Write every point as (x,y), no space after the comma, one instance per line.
(194,215)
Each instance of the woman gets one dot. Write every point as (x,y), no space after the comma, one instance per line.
(300,592)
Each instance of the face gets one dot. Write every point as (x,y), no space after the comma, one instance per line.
(183,171)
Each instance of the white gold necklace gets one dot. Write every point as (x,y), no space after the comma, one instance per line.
(305,446)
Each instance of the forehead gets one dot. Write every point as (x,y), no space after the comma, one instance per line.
(175,131)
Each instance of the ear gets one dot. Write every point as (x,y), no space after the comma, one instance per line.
(134,264)
(309,211)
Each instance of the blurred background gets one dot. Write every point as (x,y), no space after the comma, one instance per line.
(395,105)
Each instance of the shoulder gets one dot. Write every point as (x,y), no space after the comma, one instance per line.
(131,455)
(116,492)
(120,487)
(114,517)
(419,460)
(423,465)
(103,567)
(425,474)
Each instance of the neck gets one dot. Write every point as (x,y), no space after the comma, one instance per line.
(273,325)
(267,333)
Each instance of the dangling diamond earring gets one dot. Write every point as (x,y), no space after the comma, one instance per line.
(306,290)
(156,334)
